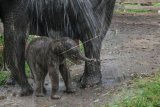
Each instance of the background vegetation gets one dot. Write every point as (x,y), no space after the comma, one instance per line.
(122,10)
(143,92)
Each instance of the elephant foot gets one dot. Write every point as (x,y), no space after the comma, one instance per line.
(70,90)
(55,97)
(39,94)
(11,81)
(89,80)
(44,90)
(26,91)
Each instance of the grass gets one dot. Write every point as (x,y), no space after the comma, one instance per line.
(4,75)
(134,4)
(143,93)
(133,11)
(137,10)
(156,4)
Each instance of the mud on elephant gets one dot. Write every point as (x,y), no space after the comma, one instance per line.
(87,20)
(46,55)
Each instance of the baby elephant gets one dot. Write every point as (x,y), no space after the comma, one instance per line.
(46,55)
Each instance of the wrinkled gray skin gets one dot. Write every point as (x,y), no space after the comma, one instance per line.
(87,20)
(46,55)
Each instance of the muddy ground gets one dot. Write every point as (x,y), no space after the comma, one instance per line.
(131,47)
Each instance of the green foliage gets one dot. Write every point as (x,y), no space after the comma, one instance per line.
(134,11)
(27,70)
(81,47)
(1,56)
(30,38)
(3,77)
(1,39)
(1,61)
(144,93)
(138,11)
(3,74)
(156,4)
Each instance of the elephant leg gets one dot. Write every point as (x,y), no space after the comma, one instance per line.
(11,80)
(67,78)
(54,76)
(37,73)
(92,72)
(39,80)
(77,41)
(14,42)
(43,78)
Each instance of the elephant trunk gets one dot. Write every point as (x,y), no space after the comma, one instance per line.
(81,57)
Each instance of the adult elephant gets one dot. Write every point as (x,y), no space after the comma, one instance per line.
(87,20)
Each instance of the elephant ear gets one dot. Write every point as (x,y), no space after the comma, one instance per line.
(68,43)
(56,47)
(98,3)
(93,16)
(104,12)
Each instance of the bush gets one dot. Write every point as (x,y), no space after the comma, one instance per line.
(3,77)
(144,93)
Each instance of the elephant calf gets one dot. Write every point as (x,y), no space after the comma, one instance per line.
(46,55)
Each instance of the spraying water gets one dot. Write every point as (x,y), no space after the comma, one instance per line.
(85,20)
(74,18)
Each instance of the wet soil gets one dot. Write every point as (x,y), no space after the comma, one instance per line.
(131,46)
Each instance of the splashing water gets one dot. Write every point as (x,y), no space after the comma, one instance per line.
(77,19)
